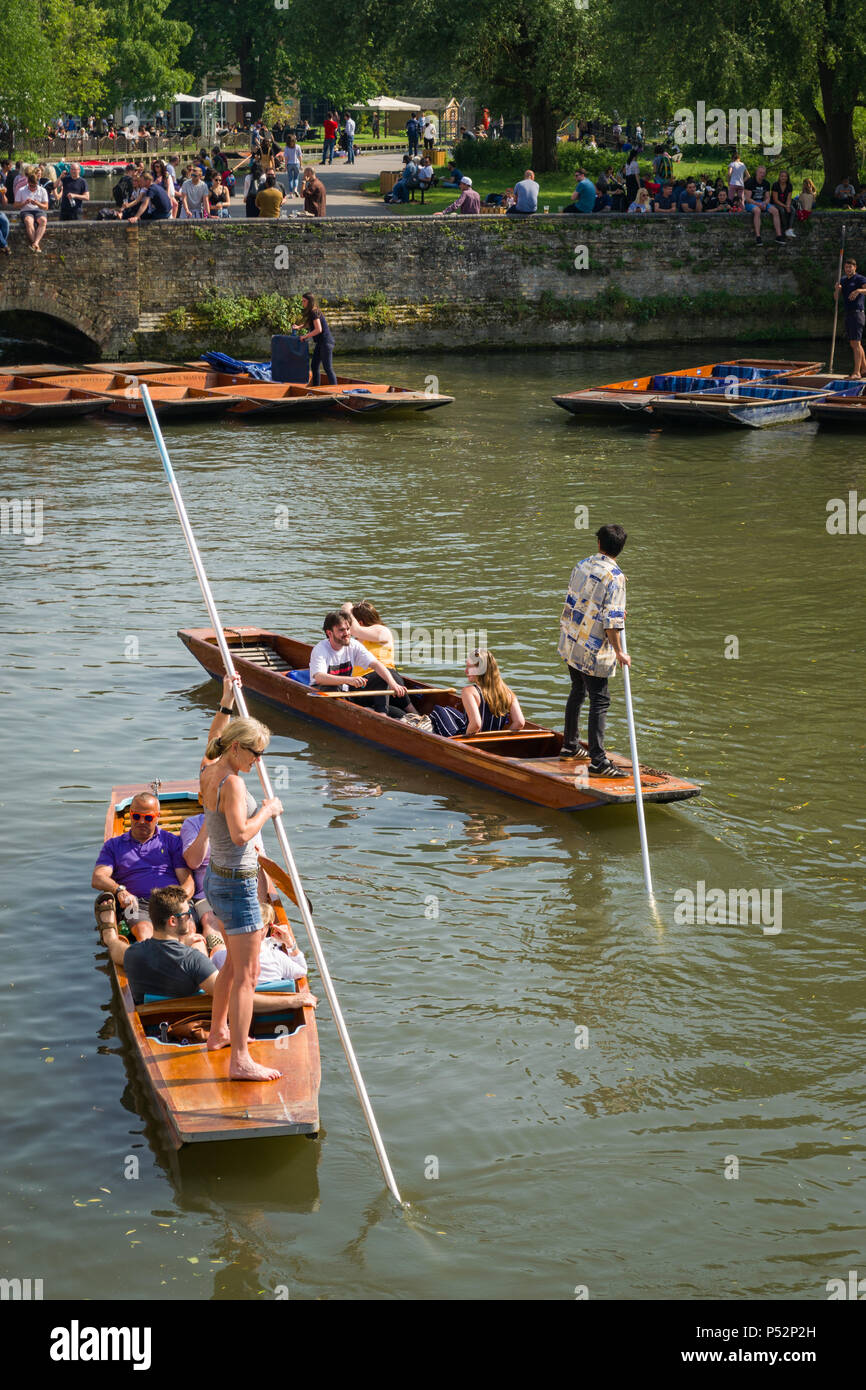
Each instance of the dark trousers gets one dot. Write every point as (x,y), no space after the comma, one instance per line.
(595,687)
(322,360)
(375,682)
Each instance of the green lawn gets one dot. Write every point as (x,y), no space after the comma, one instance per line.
(556,189)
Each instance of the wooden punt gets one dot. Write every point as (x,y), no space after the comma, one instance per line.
(635,396)
(128,368)
(122,395)
(33,401)
(751,407)
(848,412)
(254,400)
(190,1085)
(368,398)
(525,764)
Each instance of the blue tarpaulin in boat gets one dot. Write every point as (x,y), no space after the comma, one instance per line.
(743,373)
(760,393)
(686,383)
(259,371)
(848,388)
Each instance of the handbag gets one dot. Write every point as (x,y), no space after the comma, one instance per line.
(191,1029)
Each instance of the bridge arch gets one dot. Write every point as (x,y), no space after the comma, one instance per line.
(29,326)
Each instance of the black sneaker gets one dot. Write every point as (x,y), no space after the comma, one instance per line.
(759,241)
(567,752)
(606,769)
(780,241)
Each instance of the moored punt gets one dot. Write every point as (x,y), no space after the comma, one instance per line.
(357,397)
(128,368)
(33,401)
(635,396)
(524,764)
(253,399)
(190,1085)
(122,394)
(847,411)
(749,407)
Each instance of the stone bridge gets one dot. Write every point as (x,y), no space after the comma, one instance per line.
(414,284)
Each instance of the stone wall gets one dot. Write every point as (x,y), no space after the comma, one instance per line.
(417,283)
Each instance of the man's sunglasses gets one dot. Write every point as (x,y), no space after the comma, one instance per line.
(140,815)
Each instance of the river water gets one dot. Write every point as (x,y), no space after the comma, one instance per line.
(706,1140)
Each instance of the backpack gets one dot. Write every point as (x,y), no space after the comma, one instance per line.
(665,169)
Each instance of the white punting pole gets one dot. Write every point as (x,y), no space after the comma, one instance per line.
(632,738)
(277,821)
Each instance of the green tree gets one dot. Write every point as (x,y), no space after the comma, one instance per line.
(807,57)
(298,46)
(145,66)
(82,51)
(30,90)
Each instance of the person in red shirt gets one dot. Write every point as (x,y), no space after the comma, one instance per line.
(332,125)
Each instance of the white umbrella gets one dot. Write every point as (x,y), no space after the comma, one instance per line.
(183,96)
(221,95)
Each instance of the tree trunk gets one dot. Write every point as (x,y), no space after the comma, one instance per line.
(544,123)
(247,67)
(835,135)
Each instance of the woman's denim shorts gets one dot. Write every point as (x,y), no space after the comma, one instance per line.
(235,901)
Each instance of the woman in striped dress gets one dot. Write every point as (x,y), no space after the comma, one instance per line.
(488,704)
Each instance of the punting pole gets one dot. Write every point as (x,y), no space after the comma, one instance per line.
(278,821)
(836,306)
(635,767)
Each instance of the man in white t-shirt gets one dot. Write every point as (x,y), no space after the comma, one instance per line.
(193,195)
(349,127)
(332,660)
(32,205)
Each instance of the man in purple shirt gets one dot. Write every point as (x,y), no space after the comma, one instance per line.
(144,858)
(468,202)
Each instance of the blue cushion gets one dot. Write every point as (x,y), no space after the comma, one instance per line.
(280,986)
(302,676)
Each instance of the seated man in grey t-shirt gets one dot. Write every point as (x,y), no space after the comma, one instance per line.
(526,192)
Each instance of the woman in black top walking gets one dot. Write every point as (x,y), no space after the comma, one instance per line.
(316,326)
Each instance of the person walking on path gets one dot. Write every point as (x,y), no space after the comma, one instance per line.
(852,288)
(293,155)
(589,641)
(316,326)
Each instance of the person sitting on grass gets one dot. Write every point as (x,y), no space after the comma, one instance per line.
(488,704)
(454,177)
(845,194)
(468,202)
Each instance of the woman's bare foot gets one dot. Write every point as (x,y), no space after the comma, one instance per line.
(248,1070)
(217,1040)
